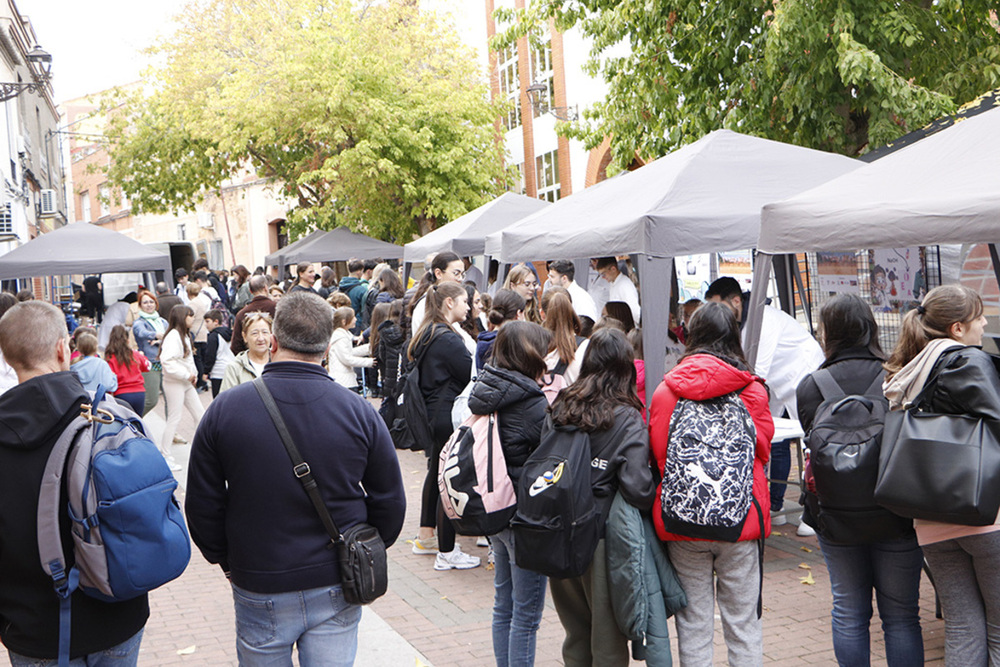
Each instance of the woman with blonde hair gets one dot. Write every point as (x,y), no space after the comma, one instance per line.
(522,280)
(939,344)
(249,364)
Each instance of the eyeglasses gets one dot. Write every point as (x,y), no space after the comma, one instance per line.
(256,315)
(458,273)
(530,284)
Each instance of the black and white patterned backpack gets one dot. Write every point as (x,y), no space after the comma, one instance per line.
(708,474)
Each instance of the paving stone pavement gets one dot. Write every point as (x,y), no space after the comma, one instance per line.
(443,618)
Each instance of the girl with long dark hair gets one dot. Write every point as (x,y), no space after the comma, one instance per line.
(940,342)
(510,386)
(128,365)
(445,367)
(566,352)
(179,375)
(507,306)
(445,267)
(875,550)
(602,403)
(713,365)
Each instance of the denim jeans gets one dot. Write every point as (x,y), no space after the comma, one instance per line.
(318,620)
(517,605)
(125,654)
(781,465)
(892,569)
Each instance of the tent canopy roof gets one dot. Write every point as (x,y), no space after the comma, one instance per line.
(703,197)
(943,189)
(466,236)
(275,257)
(81,248)
(341,244)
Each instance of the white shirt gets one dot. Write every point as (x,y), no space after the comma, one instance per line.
(623,289)
(583,303)
(599,290)
(418,315)
(785,355)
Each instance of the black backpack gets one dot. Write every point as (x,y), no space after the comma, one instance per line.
(557,523)
(844,444)
(411,406)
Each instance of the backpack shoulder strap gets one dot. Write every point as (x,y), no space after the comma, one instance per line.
(875,388)
(827,386)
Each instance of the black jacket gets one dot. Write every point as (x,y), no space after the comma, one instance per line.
(445,369)
(854,370)
(968,383)
(32,416)
(390,347)
(247,511)
(212,346)
(521,406)
(620,462)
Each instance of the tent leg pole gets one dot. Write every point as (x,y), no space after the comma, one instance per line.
(995,257)
(806,306)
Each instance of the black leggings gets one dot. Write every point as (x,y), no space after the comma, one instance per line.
(431,512)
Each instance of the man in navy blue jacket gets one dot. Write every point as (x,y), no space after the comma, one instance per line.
(248,512)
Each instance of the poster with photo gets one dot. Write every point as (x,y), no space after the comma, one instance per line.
(837,272)
(739,265)
(693,276)
(897,278)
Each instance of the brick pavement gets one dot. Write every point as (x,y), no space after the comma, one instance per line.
(445,616)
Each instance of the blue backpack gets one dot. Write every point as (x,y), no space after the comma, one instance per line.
(129,535)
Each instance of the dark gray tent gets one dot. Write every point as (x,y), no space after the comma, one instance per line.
(277,258)
(83,248)
(341,244)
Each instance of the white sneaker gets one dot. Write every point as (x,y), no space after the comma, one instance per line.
(455,559)
(805,530)
(427,547)
(779,520)
(482,541)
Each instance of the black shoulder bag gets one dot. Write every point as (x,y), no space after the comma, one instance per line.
(364,573)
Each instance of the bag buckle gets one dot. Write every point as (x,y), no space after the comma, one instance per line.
(301,470)
(87,412)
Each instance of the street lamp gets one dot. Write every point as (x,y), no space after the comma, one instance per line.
(36,56)
(536,93)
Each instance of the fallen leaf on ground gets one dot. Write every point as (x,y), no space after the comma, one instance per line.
(805,566)
(187,651)
(808,579)
(806,549)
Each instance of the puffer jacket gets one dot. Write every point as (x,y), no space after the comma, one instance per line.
(645,590)
(700,377)
(390,349)
(521,406)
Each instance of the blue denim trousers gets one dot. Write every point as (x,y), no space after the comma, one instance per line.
(892,570)
(125,654)
(319,621)
(781,465)
(517,605)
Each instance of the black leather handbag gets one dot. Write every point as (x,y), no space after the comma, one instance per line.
(939,467)
(364,570)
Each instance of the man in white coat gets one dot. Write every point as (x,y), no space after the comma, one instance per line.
(622,289)
(561,274)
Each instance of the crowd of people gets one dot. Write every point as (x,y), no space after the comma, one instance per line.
(543,357)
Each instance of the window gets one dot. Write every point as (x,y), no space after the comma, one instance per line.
(104,200)
(6,220)
(181,231)
(541,72)
(510,88)
(519,186)
(547,176)
(85,206)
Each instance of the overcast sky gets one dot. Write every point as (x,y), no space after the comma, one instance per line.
(97,44)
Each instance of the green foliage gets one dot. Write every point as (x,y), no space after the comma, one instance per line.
(370,115)
(838,75)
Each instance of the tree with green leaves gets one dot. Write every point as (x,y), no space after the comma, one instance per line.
(370,115)
(836,75)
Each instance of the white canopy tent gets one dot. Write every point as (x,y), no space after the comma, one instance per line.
(942,189)
(704,197)
(466,236)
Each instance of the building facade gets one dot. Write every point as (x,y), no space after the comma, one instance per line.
(32,200)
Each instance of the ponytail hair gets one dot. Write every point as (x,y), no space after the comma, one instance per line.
(505,307)
(942,307)
(562,321)
(440,262)
(434,314)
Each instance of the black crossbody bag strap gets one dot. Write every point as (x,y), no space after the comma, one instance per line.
(301,469)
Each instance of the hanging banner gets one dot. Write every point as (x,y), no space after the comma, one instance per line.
(739,265)
(838,273)
(897,279)
(693,276)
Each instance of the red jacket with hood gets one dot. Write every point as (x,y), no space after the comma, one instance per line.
(700,377)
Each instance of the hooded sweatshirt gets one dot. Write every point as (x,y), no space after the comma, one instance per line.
(94,372)
(355,288)
(700,377)
(32,416)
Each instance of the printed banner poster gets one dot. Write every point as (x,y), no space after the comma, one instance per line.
(897,278)
(838,272)
(739,265)
(693,276)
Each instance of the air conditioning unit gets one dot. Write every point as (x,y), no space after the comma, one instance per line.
(206,220)
(49,203)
